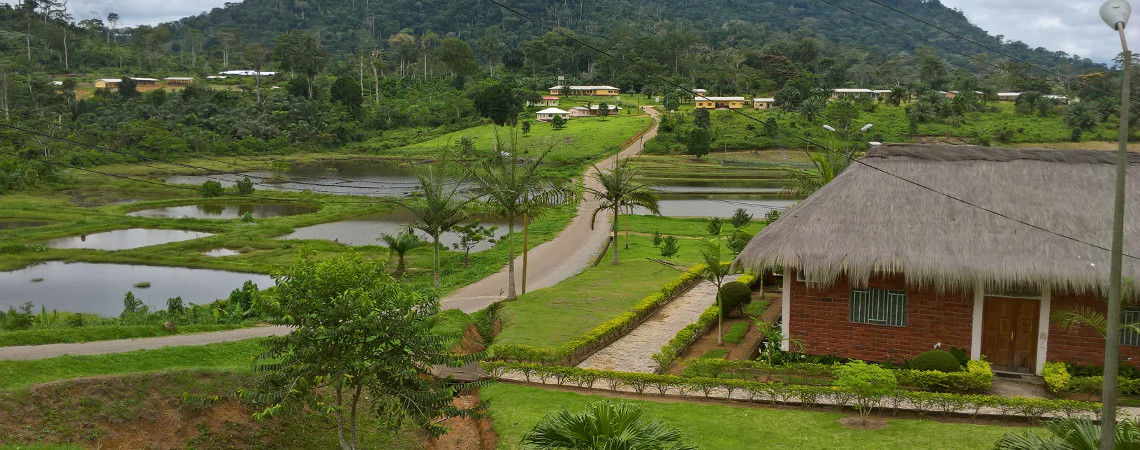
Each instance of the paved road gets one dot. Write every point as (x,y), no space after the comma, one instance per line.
(634,351)
(549,263)
(25,352)
(557,259)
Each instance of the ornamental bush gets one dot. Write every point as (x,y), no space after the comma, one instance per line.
(940,360)
(733,295)
(869,383)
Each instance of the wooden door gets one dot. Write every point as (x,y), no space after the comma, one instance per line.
(1009,333)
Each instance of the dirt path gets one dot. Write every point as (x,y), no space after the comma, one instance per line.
(634,351)
(558,259)
(25,352)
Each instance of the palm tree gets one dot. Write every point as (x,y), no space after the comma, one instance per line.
(618,191)
(440,209)
(827,166)
(1072,434)
(401,244)
(514,189)
(604,425)
(715,272)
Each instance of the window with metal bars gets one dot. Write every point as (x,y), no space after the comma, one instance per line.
(1130,336)
(878,307)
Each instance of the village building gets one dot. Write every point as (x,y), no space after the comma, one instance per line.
(719,102)
(878,268)
(108,83)
(1008,96)
(852,93)
(549,114)
(216,77)
(592,110)
(549,100)
(178,81)
(764,103)
(593,91)
(881,94)
(142,81)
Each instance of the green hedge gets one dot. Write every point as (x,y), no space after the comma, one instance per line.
(684,338)
(976,379)
(603,334)
(922,402)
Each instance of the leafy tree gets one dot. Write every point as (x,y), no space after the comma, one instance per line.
(175,306)
(210,188)
(603,109)
(713,226)
(401,244)
(618,192)
(701,118)
(671,102)
(715,272)
(128,88)
(346,91)
(557,122)
(256,55)
(526,127)
(697,142)
(299,51)
(245,186)
(438,210)
(1084,115)
(132,305)
(740,218)
(870,384)
(471,235)
(604,426)
(358,337)
(500,103)
(456,55)
(738,241)
(669,247)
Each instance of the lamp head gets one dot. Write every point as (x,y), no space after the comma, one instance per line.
(829,128)
(866,127)
(1115,13)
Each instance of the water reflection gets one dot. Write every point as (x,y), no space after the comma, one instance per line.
(99,288)
(367,230)
(125,239)
(226,211)
(368,178)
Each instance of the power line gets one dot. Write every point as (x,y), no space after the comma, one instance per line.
(809,141)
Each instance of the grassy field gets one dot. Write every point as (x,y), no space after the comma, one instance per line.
(38,336)
(516,409)
(690,226)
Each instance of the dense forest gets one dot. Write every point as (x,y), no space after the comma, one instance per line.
(350,71)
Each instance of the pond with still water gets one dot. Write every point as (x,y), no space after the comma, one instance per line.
(226,211)
(99,288)
(367,230)
(369,178)
(125,239)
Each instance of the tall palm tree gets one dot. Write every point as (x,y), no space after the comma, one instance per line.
(440,208)
(401,244)
(514,189)
(618,192)
(715,272)
(605,425)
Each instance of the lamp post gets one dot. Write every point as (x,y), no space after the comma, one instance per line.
(848,135)
(1115,13)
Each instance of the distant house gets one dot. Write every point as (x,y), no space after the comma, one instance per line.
(108,83)
(700,92)
(549,100)
(216,77)
(881,94)
(764,103)
(593,91)
(549,114)
(1008,96)
(1058,98)
(879,269)
(855,93)
(592,110)
(247,73)
(142,81)
(719,102)
(178,81)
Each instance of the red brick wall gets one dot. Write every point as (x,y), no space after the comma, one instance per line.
(820,318)
(1082,345)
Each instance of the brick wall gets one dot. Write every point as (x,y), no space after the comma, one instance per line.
(820,318)
(1082,345)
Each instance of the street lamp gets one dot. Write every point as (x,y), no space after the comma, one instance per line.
(848,135)
(1115,13)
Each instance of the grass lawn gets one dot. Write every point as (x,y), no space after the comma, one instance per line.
(516,409)
(552,316)
(582,141)
(689,226)
(236,355)
(37,336)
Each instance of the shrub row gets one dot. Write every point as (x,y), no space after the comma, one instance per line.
(1059,380)
(718,368)
(582,346)
(900,400)
(976,379)
(684,338)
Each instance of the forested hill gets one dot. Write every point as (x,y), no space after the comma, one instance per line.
(346,26)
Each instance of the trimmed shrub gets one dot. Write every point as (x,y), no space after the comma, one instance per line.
(1057,377)
(733,295)
(940,360)
(976,379)
(869,383)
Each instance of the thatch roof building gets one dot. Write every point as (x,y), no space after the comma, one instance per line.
(937,225)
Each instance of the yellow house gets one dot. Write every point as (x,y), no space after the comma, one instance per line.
(719,102)
(178,81)
(593,91)
(109,83)
(764,103)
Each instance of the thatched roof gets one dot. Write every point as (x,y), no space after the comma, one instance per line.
(866,221)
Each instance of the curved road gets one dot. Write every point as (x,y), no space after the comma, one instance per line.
(556,260)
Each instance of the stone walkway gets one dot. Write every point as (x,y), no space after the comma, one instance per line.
(634,351)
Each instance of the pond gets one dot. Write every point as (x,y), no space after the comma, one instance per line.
(367,230)
(125,239)
(99,288)
(226,211)
(369,178)
(718,205)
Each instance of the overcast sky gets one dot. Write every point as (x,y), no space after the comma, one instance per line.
(1072,26)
